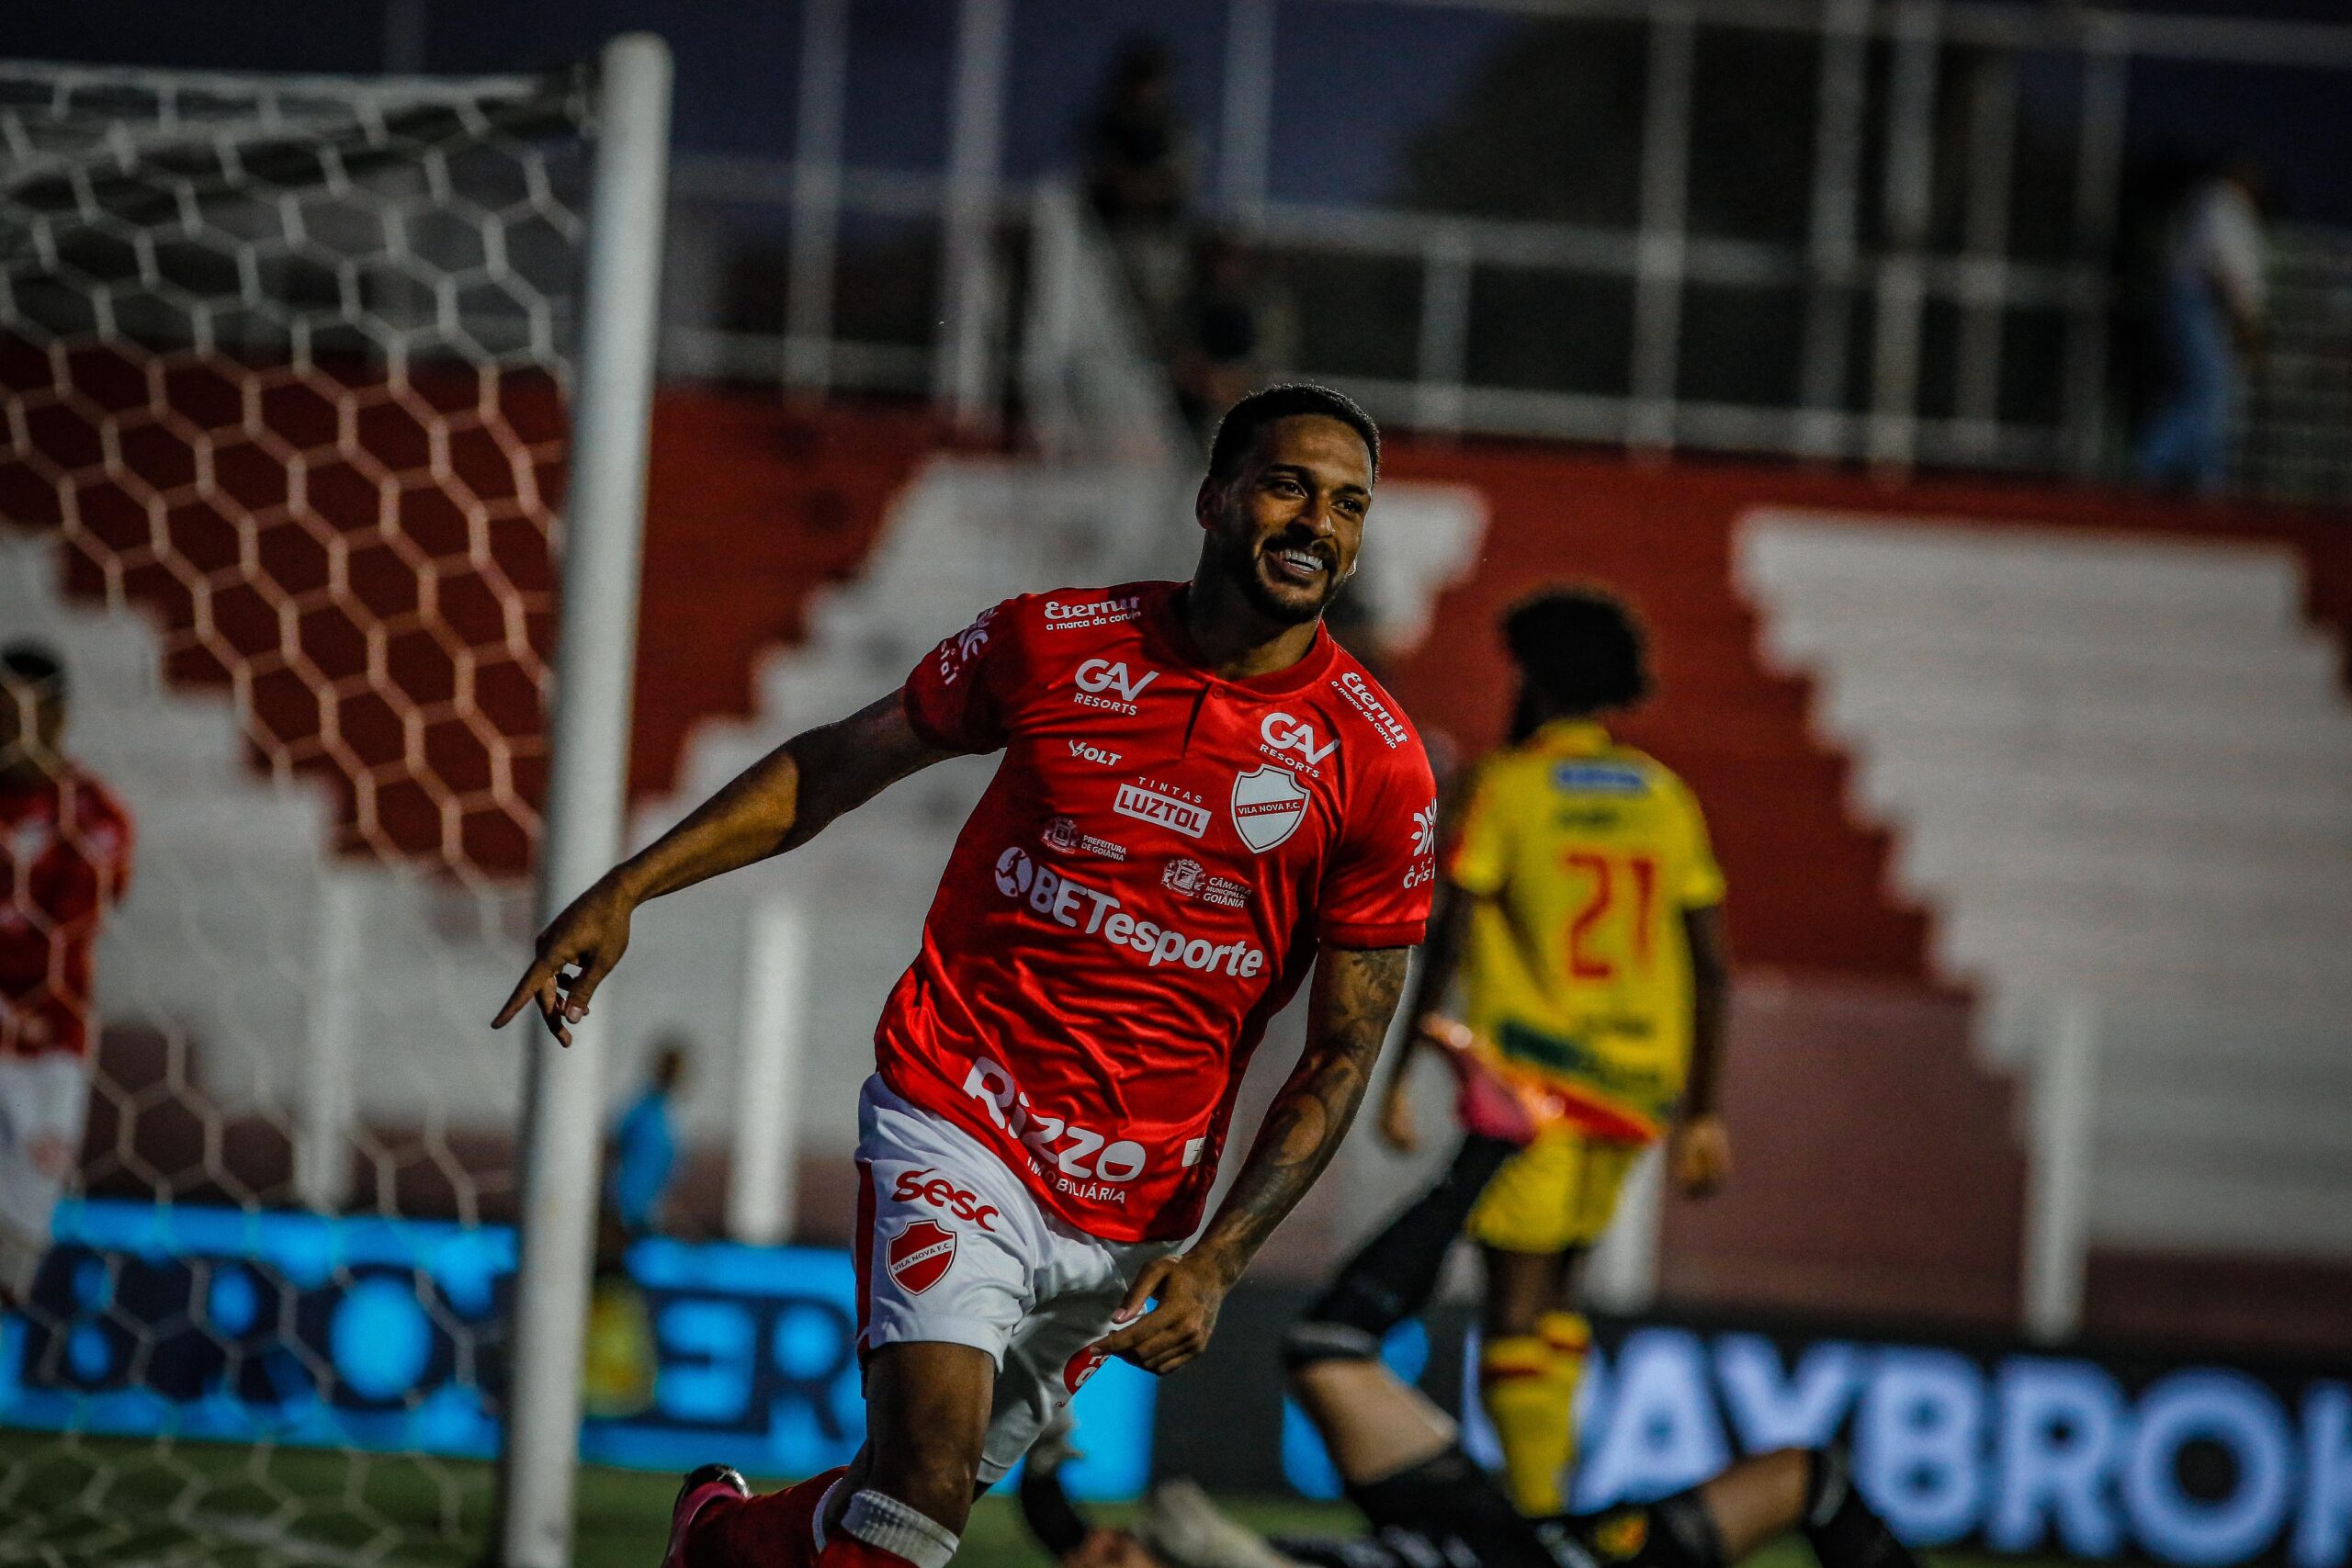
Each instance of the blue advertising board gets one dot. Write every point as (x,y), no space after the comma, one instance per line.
(2004,1449)
(379,1334)
(386,1334)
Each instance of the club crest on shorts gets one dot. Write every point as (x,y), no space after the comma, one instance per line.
(920,1254)
(1268,805)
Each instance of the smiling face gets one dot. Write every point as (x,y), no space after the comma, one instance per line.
(1285,528)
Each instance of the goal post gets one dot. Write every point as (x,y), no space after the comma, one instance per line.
(595,660)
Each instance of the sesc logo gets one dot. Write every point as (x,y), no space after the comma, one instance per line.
(1099,675)
(927,1186)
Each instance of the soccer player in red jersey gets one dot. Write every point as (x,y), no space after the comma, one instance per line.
(65,861)
(1201,797)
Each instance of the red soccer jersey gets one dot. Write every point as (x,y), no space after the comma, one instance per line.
(64,857)
(1140,889)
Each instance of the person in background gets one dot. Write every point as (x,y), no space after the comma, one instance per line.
(645,1147)
(65,849)
(2210,318)
(1582,907)
(1139,157)
(1427,1504)
(1235,331)
(617,1374)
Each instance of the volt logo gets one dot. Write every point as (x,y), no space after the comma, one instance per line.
(1101,674)
(1280,732)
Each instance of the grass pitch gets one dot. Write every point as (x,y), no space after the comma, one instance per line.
(67,1501)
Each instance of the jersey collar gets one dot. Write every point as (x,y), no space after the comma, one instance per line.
(1165,628)
(1572,736)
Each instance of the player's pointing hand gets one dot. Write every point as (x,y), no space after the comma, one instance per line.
(1190,1289)
(587,940)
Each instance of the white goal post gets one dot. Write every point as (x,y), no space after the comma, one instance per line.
(595,662)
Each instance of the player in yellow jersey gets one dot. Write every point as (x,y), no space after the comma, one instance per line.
(1582,907)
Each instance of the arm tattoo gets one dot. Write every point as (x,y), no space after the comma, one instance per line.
(1355,995)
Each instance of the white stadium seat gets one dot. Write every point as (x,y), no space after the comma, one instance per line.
(2116,768)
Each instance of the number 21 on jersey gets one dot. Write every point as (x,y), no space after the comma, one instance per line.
(1621,891)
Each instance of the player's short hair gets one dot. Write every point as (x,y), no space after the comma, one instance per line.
(34,664)
(1581,649)
(1238,431)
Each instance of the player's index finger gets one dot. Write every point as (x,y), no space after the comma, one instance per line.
(514,999)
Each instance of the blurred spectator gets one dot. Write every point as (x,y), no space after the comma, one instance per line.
(1235,331)
(645,1147)
(64,862)
(1139,176)
(620,1363)
(2209,321)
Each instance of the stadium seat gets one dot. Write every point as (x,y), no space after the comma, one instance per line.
(2120,768)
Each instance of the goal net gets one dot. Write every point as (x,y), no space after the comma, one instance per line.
(282,381)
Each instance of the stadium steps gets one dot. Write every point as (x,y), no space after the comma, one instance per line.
(2125,771)
(222,855)
(208,976)
(1810,889)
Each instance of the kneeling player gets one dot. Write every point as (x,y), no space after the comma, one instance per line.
(1429,1504)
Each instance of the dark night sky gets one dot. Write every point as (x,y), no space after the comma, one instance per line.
(1355,77)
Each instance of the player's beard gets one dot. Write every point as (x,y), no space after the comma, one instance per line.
(1237,555)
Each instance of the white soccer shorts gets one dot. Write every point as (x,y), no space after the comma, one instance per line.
(43,1100)
(952,1247)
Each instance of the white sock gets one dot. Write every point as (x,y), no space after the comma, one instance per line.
(891,1526)
(824,1506)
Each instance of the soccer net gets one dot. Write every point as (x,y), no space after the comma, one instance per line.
(282,377)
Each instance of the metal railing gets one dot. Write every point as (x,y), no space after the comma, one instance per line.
(1914,99)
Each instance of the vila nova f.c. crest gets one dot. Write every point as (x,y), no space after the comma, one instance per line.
(1268,805)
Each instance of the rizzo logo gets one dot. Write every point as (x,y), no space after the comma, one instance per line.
(1268,807)
(1085,1164)
(1082,1366)
(920,1255)
(1148,802)
(1282,733)
(1099,675)
(923,1187)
